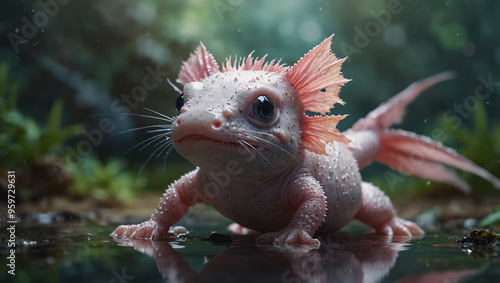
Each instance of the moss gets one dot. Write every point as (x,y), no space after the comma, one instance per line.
(480,237)
(480,243)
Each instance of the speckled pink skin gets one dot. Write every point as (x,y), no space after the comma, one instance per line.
(262,175)
(268,182)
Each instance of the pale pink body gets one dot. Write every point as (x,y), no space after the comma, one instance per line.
(265,175)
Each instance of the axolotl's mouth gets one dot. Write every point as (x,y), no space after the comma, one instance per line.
(241,143)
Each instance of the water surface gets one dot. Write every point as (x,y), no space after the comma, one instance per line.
(78,252)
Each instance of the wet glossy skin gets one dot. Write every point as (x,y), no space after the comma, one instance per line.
(229,120)
(256,171)
(269,167)
(248,166)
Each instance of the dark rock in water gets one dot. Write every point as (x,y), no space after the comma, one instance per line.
(480,243)
(217,238)
(480,237)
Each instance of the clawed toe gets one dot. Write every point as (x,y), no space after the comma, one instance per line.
(399,227)
(146,230)
(288,236)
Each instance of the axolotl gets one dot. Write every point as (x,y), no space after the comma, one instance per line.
(270,166)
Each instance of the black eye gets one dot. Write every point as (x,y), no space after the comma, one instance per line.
(263,107)
(179,102)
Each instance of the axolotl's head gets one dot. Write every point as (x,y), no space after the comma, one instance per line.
(250,118)
(251,114)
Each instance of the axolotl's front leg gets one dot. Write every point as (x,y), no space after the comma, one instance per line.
(307,195)
(174,204)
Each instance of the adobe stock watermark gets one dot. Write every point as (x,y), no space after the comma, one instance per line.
(407,165)
(223,6)
(219,181)
(122,277)
(44,11)
(363,36)
(121,107)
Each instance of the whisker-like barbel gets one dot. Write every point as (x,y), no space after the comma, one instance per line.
(167,118)
(260,153)
(164,128)
(245,145)
(162,147)
(159,130)
(262,140)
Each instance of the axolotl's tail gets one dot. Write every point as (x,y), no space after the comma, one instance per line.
(407,152)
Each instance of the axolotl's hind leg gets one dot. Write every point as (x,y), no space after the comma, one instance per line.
(377,212)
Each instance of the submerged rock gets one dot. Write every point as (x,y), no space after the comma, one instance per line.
(480,243)
(217,238)
(480,237)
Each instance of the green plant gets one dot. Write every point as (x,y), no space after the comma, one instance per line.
(105,180)
(22,139)
(479,144)
(492,219)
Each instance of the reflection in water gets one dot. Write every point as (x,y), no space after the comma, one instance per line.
(441,276)
(339,259)
(72,252)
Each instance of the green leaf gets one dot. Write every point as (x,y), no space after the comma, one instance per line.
(55,117)
(4,68)
(11,101)
(480,120)
(491,220)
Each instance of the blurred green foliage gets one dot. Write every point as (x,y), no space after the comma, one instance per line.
(492,219)
(115,179)
(105,181)
(110,43)
(478,143)
(22,139)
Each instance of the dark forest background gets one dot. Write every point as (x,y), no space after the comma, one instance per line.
(69,64)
